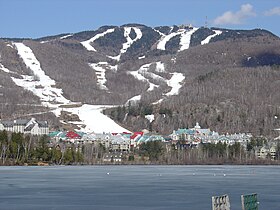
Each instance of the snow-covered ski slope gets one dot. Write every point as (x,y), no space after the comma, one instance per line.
(128,42)
(87,43)
(207,40)
(185,38)
(143,74)
(41,85)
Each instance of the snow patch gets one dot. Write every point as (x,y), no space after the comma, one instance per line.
(141,57)
(133,101)
(175,83)
(150,117)
(66,36)
(158,102)
(160,67)
(173,60)
(11,46)
(86,43)
(3,68)
(207,40)
(140,75)
(100,70)
(160,33)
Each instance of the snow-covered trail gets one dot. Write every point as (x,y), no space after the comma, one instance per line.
(175,83)
(87,44)
(186,39)
(128,42)
(39,84)
(207,40)
(165,38)
(100,69)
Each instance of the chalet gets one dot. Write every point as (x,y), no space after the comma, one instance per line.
(26,126)
(266,151)
(120,143)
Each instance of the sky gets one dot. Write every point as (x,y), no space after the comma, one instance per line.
(39,18)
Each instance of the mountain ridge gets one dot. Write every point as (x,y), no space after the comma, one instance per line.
(134,64)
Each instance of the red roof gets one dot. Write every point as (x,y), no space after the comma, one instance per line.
(72,135)
(136,134)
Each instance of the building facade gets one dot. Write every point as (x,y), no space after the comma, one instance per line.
(26,126)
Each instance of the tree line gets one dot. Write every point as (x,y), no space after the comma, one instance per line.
(20,149)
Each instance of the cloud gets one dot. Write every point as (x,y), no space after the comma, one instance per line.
(237,18)
(273,11)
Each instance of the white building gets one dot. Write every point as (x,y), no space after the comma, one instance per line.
(31,126)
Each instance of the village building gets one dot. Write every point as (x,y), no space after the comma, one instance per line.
(267,151)
(26,126)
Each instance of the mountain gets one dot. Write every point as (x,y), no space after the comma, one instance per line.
(158,79)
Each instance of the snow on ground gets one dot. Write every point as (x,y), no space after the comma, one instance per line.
(140,75)
(66,36)
(173,60)
(3,68)
(160,67)
(160,33)
(158,101)
(141,57)
(92,119)
(100,74)
(186,39)
(129,41)
(133,100)
(207,40)
(86,43)
(95,121)
(40,84)
(175,83)
(9,45)
(100,70)
(150,117)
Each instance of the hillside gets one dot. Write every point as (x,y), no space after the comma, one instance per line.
(158,79)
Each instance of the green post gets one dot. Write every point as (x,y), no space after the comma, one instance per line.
(249,202)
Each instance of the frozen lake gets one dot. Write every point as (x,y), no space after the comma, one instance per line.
(136,187)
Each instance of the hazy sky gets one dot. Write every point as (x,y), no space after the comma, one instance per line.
(37,18)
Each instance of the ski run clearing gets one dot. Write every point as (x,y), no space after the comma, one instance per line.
(185,38)
(41,85)
(207,40)
(143,74)
(129,41)
(100,70)
(87,43)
